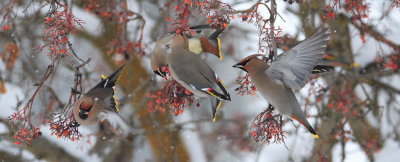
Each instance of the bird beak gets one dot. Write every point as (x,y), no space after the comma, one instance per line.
(161,74)
(158,73)
(240,67)
(237,66)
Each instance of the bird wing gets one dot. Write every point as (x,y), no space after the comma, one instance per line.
(194,71)
(294,67)
(191,69)
(104,88)
(111,102)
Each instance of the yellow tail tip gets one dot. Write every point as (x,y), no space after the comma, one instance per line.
(315,136)
(214,119)
(103,77)
(219,49)
(217,108)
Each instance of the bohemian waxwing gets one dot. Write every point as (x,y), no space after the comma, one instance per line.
(194,73)
(290,70)
(99,104)
(198,44)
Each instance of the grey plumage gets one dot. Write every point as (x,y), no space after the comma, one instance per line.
(99,104)
(288,71)
(198,44)
(294,66)
(193,73)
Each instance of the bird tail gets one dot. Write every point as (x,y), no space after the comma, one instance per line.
(220,96)
(215,108)
(214,93)
(111,79)
(214,39)
(227,96)
(200,27)
(115,75)
(216,34)
(303,121)
(195,27)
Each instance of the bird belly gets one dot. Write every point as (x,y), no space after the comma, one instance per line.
(278,96)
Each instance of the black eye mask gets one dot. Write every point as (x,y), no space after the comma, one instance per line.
(83,113)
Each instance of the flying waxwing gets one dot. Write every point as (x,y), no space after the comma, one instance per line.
(99,104)
(198,44)
(194,73)
(289,71)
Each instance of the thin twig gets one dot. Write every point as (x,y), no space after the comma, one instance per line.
(73,52)
(375,34)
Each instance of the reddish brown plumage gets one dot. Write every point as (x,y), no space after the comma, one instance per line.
(86,105)
(208,47)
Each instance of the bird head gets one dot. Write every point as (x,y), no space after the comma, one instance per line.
(157,62)
(251,63)
(180,41)
(85,107)
(158,59)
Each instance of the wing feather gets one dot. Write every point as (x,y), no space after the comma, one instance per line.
(294,67)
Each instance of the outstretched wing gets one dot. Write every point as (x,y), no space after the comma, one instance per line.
(294,67)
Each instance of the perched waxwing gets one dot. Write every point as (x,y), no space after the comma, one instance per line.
(195,74)
(289,71)
(198,44)
(99,104)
